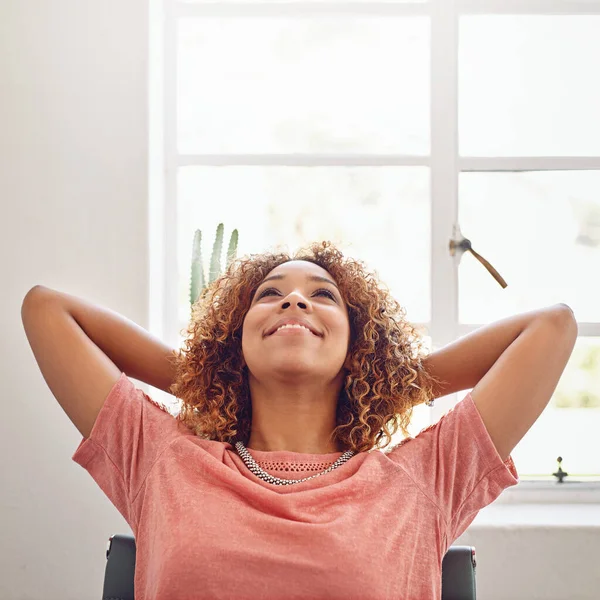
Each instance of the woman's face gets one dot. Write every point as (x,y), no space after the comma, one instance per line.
(294,292)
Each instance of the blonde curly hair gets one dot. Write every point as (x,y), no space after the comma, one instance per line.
(385,381)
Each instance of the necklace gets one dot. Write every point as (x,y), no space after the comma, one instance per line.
(251,464)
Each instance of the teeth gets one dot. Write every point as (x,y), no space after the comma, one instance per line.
(294,326)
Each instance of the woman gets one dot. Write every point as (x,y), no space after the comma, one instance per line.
(275,479)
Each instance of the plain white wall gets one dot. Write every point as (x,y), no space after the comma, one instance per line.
(74,194)
(74,217)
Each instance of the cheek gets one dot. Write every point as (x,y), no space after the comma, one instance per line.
(250,329)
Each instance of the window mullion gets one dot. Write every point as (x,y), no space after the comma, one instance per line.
(529,163)
(298,9)
(303,160)
(528,7)
(444,176)
(171,174)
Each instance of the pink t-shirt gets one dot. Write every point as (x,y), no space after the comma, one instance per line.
(206,527)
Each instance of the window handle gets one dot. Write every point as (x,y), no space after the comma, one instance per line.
(460,244)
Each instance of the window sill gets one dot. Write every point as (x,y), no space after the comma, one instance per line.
(544,504)
(538,515)
(551,492)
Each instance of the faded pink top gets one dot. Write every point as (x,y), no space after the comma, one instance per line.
(206,527)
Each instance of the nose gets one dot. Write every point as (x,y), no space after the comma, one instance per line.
(295,297)
(298,302)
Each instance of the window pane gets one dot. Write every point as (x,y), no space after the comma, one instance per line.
(541,231)
(323,84)
(379,215)
(563,431)
(528,85)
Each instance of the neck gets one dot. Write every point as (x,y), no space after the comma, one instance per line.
(294,418)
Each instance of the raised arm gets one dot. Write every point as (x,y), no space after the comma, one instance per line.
(513,367)
(129,346)
(82,348)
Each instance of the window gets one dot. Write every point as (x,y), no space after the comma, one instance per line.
(382,126)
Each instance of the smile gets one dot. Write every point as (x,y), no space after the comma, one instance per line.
(293,330)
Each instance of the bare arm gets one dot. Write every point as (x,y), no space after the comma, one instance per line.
(512,393)
(130,347)
(463,363)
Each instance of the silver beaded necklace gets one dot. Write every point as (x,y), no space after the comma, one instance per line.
(251,464)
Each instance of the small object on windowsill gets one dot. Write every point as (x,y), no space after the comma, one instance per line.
(560,474)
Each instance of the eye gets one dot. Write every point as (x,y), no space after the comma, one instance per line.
(319,291)
(324,291)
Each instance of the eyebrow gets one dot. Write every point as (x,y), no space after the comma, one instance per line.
(308,278)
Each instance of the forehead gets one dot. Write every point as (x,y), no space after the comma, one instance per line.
(299,267)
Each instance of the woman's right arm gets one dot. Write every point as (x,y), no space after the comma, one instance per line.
(130,347)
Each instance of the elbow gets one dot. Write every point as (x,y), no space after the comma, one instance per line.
(35,291)
(565,317)
(566,308)
(33,294)
(568,313)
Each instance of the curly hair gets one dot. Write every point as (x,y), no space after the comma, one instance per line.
(385,381)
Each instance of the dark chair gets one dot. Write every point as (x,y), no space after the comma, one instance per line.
(458,570)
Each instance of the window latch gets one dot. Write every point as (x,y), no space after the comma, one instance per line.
(460,244)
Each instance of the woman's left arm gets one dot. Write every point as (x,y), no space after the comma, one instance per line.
(460,365)
(513,367)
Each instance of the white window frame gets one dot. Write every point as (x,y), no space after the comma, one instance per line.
(444,162)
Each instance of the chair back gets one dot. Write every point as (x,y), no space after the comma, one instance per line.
(458,570)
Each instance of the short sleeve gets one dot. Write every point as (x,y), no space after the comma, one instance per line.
(457,466)
(129,434)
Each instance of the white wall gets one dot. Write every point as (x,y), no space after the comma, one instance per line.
(74,215)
